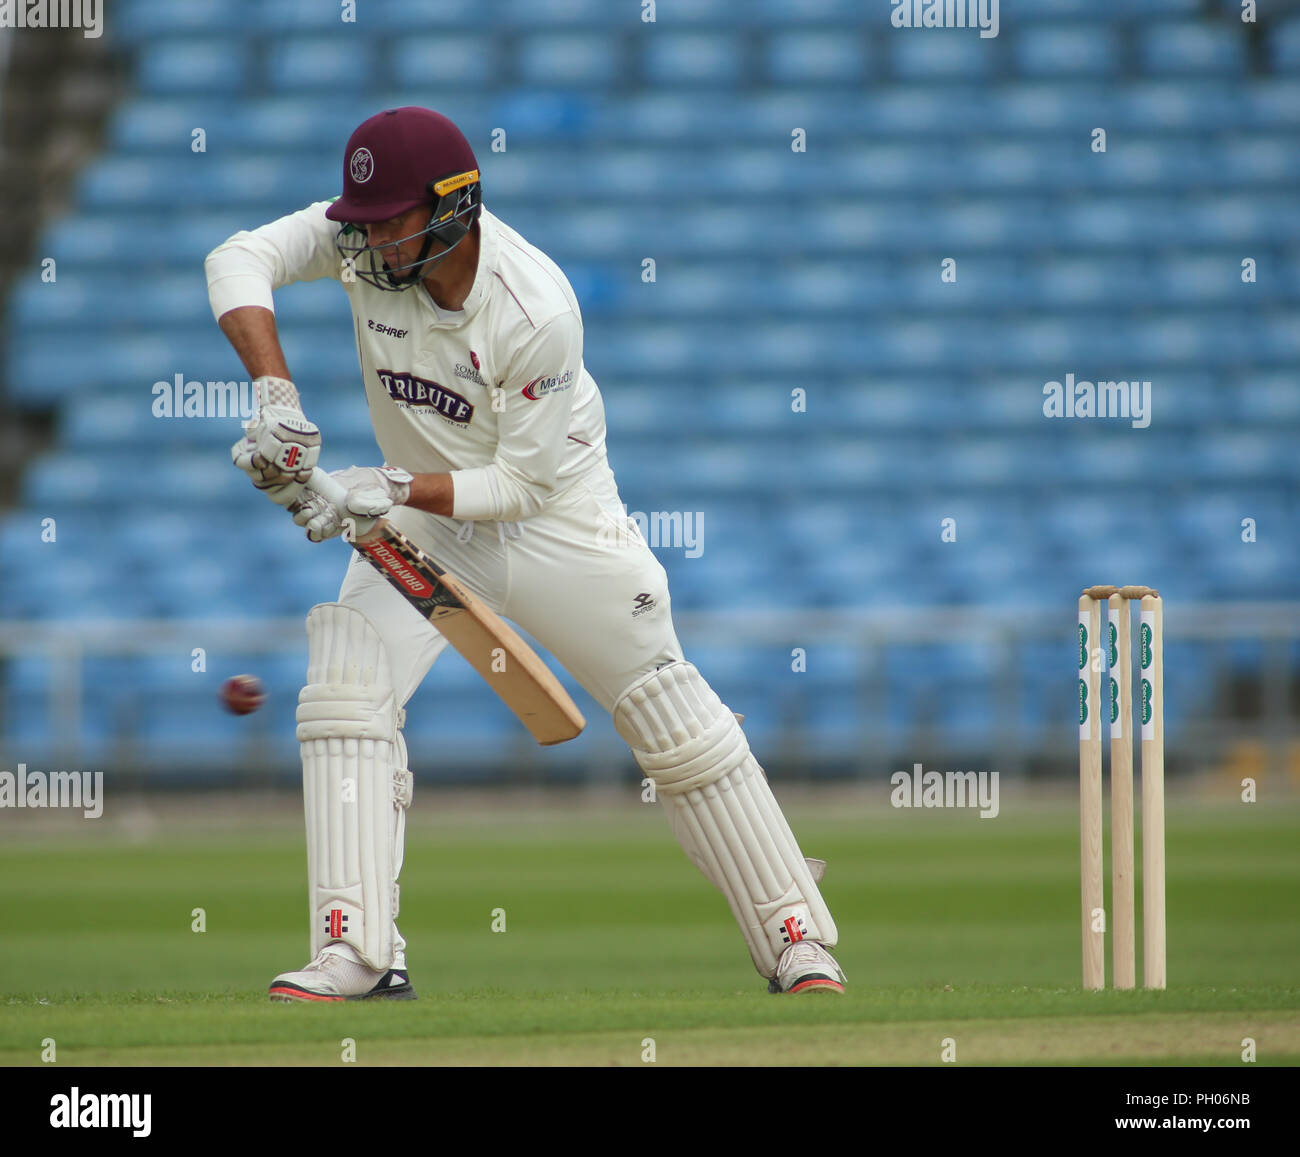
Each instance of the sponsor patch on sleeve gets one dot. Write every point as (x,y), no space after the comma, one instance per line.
(539,387)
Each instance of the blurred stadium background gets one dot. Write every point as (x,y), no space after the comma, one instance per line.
(776,270)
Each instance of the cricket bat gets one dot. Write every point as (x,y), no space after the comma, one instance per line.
(490,645)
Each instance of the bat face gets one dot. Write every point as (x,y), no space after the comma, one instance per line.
(524,683)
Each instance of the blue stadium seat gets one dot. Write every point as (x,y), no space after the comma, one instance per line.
(320,64)
(1257,161)
(569,13)
(1061,50)
(135,182)
(109,421)
(453,15)
(451,732)
(1266,397)
(738,669)
(1227,454)
(286,18)
(886,406)
(1026,10)
(1158,105)
(279,122)
(539,116)
(564,60)
(208,183)
(1191,48)
(443,60)
(193,727)
(847,575)
(90,300)
(1284,46)
(830,665)
(844,13)
(621,174)
(1200,280)
(164,125)
(695,59)
(203,65)
(830,57)
(1136,163)
(941,54)
(141,21)
(115,237)
(836,729)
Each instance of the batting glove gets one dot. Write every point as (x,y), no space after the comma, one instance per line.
(372,491)
(280,446)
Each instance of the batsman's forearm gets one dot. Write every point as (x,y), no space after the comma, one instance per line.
(433,493)
(251,330)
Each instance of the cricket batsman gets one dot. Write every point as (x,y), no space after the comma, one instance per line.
(493,435)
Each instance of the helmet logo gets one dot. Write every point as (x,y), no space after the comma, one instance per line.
(362,166)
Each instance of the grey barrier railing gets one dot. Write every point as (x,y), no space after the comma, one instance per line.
(1244,715)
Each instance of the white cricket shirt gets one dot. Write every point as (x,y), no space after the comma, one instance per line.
(495,393)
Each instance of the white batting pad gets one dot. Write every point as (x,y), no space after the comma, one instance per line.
(722,811)
(356,787)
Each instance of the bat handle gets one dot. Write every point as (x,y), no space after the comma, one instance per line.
(321,483)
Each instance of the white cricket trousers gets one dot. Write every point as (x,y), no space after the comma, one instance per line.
(579,578)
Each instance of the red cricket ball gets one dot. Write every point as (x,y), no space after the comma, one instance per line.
(243,694)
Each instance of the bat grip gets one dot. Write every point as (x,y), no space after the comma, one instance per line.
(330,490)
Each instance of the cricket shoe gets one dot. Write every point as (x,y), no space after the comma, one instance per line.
(337,974)
(806,967)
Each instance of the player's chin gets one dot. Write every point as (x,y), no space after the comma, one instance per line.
(409,276)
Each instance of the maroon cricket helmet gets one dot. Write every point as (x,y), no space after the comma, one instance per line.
(395,161)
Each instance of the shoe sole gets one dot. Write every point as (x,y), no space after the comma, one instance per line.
(291,994)
(817,984)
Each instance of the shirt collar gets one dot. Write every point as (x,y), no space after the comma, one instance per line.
(487,264)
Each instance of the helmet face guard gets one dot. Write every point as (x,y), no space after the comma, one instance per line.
(454,206)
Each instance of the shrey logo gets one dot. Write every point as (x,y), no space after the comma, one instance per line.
(395,566)
(362,166)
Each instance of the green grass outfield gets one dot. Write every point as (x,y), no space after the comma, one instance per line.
(951,927)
